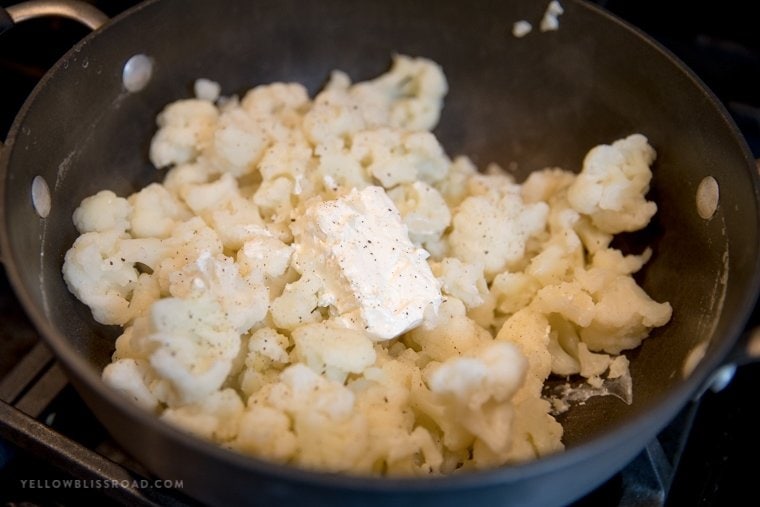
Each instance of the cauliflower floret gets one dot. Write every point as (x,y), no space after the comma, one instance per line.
(264,257)
(494,234)
(155,212)
(205,89)
(461,280)
(99,269)
(453,187)
(234,218)
(278,108)
(474,393)
(131,377)
(513,291)
(104,211)
(186,127)
(338,168)
(333,351)
(243,301)
(266,432)
(394,157)
(423,210)
(190,345)
(529,331)
(624,316)
(297,305)
(546,185)
(334,115)
(238,143)
(409,96)
(267,355)
(189,240)
(330,434)
(453,333)
(290,159)
(395,445)
(612,185)
(535,432)
(214,418)
(180,176)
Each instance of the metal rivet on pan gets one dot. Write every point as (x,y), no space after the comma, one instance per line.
(708,194)
(137,73)
(722,378)
(41,196)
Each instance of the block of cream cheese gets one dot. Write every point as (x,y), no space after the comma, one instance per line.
(372,276)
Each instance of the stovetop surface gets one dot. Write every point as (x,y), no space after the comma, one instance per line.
(712,440)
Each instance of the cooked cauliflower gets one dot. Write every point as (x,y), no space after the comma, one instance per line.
(186,127)
(102,212)
(317,282)
(612,186)
(494,233)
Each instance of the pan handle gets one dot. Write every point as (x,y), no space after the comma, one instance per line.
(77,10)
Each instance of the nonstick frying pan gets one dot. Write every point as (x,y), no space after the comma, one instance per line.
(527,103)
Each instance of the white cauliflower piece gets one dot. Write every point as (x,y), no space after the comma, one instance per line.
(333,351)
(286,158)
(189,240)
(264,257)
(234,217)
(266,432)
(409,96)
(612,186)
(513,291)
(334,115)
(278,108)
(243,301)
(104,211)
(394,157)
(529,331)
(451,335)
(155,212)
(180,176)
(461,280)
(494,234)
(297,305)
(535,433)
(475,391)
(206,89)
(186,127)
(190,345)
(238,143)
(453,187)
(625,315)
(97,274)
(215,417)
(204,196)
(395,444)
(423,210)
(131,378)
(337,168)
(546,185)
(329,433)
(267,354)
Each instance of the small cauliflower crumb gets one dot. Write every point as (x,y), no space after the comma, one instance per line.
(550,21)
(521,28)
(317,283)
